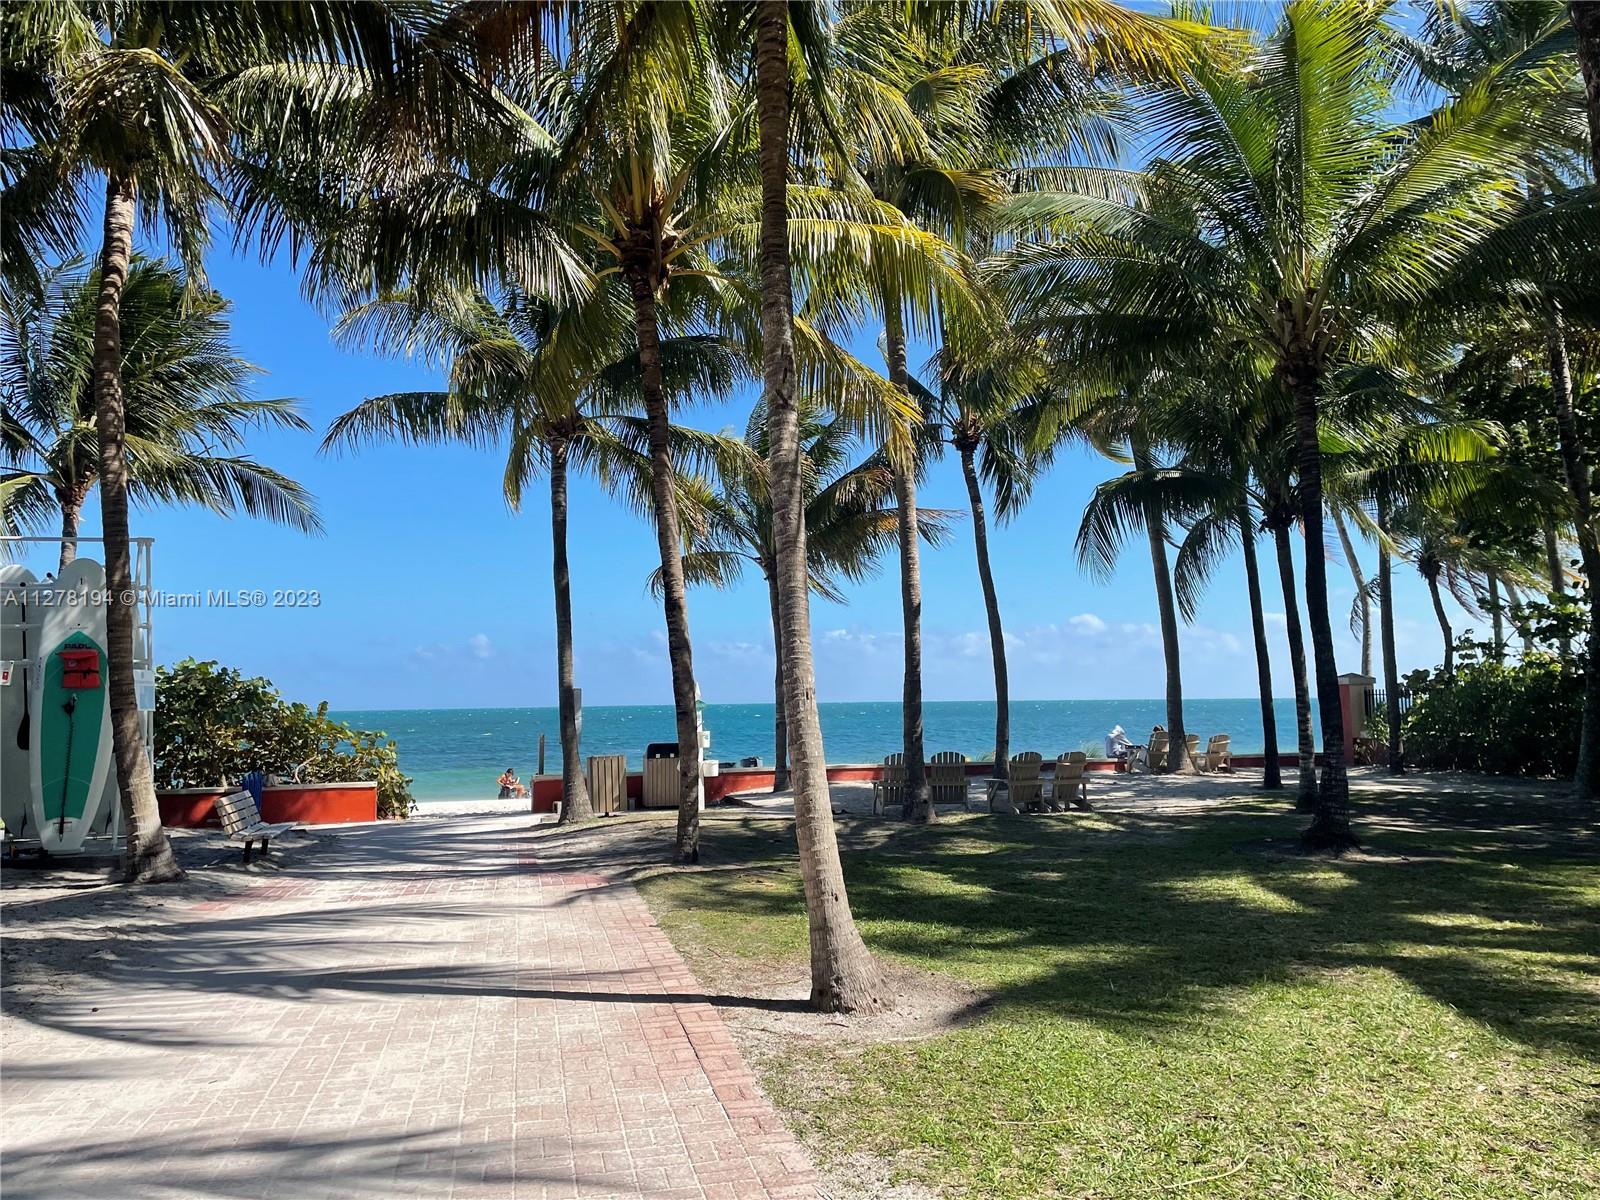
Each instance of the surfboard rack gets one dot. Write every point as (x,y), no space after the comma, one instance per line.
(58,791)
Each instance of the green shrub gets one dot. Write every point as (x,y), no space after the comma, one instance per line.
(214,725)
(1513,719)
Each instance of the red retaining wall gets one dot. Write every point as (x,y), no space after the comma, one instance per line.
(303,804)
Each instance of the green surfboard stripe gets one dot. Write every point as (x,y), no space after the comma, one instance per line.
(50,722)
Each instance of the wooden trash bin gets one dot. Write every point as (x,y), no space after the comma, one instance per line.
(608,782)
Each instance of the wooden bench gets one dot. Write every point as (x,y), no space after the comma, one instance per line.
(241,822)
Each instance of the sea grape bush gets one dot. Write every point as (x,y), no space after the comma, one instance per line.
(213,724)
(1518,718)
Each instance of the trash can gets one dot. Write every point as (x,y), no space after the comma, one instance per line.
(661,782)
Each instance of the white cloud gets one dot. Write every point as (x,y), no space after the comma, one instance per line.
(479,646)
(1087,623)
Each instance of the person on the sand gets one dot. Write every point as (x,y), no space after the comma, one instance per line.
(509,786)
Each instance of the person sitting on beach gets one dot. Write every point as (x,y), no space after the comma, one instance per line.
(509,787)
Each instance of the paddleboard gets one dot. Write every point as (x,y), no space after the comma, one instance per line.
(71,710)
(16,717)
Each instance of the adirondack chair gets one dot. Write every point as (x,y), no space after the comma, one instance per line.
(1219,754)
(947,778)
(1156,757)
(1026,788)
(891,788)
(1192,741)
(1072,785)
(608,783)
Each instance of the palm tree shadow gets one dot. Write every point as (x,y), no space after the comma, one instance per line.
(1147,920)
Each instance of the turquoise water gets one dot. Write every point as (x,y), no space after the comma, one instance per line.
(456,753)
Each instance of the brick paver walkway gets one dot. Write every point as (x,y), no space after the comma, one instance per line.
(422,1011)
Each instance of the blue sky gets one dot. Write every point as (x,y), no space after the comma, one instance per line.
(433,595)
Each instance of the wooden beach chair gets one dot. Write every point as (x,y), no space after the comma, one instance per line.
(947,778)
(891,787)
(608,783)
(1071,785)
(241,822)
(1219,756)
(1156,755)
(1026,788)
(1192,744)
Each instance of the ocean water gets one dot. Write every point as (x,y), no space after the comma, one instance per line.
(457,753)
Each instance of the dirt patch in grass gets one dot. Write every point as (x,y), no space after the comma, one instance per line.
(867,1177)
(927,1003)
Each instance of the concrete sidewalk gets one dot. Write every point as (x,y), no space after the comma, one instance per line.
(415,1010)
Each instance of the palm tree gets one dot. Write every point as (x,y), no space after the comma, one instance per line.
(559,384)
(138,94)
(652,168)
(849,517)
(1586,21)
(988,407)
(1284,213)
(1119,506)
(1363,626)
(186,396)
(1470,49)
(1211,486)
(843,974)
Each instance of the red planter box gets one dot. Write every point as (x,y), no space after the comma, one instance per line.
(303,804)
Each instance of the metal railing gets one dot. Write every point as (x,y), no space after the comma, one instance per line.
(1378,698)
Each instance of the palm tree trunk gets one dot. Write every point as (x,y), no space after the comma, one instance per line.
(1330,828)
(71,511)
(149,857)
(918,803)
(1496,618)
(1156,528)
(1523,628)
(1272,775)
(1558,583)
(1362,598)
(1574,463)
(780,723)
(1305,740)
(991,604)
(844,977)
(1586,22)
(664,497)
(575,805)
(1391,672)
(1444,624)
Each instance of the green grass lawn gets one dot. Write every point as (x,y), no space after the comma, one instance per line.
(1183,1007)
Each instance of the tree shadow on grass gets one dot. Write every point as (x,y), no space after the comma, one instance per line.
(1140,921)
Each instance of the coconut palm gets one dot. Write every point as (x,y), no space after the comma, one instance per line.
(1118,507)
(843,974)
(1284,212)
(1213,486)
(152,98)
(987,411)
(652,169)
(850,523)
(970,99)
(560,385)
(1361,624)
(185,392)
(1586,22)
(1471,48)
